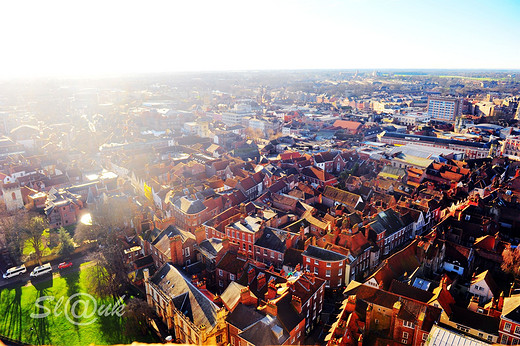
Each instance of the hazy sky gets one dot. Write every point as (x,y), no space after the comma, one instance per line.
(79,37)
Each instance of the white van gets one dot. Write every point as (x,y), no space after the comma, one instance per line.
(14,271)
(43,269)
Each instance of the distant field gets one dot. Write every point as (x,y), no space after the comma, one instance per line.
(486,79)
(17,304)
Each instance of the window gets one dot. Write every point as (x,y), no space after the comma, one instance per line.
(272,254)
(265,252)
(233,340)
(340,271)
(220,283)
(249,237)
(257,250)
(327,273)
(514,341)
(308,260)
(249,248)
(376,321)
(404,341)
(219,339)
(243,246)
(507,327)
(517,330)
(187,252)
(220,273)
(279,256)
(424,337)
(316,262)
(328,264)
(316,271)
(480,335)
(408,324)
(232,277)
(405,335)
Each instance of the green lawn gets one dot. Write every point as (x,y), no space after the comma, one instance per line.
(17,305)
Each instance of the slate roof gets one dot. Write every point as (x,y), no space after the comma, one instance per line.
(273,239)
(474,320)
(244,316)
(210,247)
(189,206)
(322,254)
(185,296)
(263,332)
(409,291)
(387,220)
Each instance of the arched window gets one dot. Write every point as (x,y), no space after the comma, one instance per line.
(13,196)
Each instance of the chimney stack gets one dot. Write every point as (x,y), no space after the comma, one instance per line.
(297,303)
(250,275)
(260,280)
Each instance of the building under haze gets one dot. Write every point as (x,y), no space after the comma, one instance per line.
(444,108)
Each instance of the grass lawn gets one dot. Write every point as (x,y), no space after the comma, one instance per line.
(17,305)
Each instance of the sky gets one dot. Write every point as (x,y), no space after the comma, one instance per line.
(90,38)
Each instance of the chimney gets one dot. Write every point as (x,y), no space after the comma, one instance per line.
(225,245)
(200,235)
(351,303)
(395,311)
(368,317)
(250,275)
(501,302)
(297,303)
(473,304)
(201,285)
(146,273)
(302,233)
(245,297)
(176,250)
(360,340)
(260,280)
(444,283)
(271,291)
(271,309)
(194,279)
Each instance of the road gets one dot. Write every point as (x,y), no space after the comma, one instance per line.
(25,279)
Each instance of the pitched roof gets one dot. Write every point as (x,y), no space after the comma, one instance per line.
(488,278)
(273,239)
(244,316)
(231,295)
(189,205)
(267,331)
(231,263)
(511,309)
(317,173)
(323,254)
(395,266)
(186,297)
(348,198)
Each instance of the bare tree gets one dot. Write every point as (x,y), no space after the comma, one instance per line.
(137,313)
(32,231)
(109,223)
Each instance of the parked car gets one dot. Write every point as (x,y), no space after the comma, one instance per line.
(43,269)
(64,265)
(14,271)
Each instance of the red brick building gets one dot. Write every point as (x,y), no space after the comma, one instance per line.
(62,208)
(327,265)
(509,327)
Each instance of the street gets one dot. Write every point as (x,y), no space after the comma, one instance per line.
(25,279)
